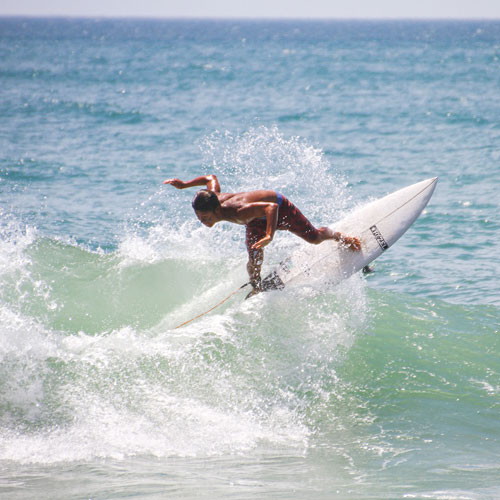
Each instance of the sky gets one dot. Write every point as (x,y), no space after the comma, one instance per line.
(334,9)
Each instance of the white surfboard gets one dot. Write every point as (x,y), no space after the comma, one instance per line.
(378,225)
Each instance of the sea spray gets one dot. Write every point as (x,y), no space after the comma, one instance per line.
(264,158)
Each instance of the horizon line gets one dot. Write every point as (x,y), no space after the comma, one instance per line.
(239,18)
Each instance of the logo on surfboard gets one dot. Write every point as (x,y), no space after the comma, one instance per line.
(380,239)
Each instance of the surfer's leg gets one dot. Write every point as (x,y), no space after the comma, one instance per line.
(293,220)
(255,231)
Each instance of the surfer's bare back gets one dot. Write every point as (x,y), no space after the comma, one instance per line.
(262,212)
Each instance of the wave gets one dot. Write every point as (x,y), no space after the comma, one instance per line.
(88,354)
(92,367)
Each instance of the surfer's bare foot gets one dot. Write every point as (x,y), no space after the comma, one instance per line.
(350,242)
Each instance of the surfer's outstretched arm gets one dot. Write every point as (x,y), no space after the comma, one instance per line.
(210,181)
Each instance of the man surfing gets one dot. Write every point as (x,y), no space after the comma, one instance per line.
(262,212)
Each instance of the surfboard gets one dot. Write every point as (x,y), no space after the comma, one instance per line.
(378,225)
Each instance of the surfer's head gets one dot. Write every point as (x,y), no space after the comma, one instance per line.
(206,204)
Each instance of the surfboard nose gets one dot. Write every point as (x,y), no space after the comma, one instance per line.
(430,186)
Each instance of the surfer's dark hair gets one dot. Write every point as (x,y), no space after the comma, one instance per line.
(205,201)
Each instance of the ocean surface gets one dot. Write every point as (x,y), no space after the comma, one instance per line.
(386,386)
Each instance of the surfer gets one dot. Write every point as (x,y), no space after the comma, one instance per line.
(262,212)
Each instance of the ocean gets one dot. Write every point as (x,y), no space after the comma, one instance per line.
(386,386)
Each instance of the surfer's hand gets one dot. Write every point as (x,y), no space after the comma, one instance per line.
(262,243)
(177,183)
(351,242)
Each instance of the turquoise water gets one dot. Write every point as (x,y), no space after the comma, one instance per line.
(384,387)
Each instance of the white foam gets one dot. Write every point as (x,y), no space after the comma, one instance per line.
(109,407)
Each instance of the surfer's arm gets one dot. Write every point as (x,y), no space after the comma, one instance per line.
(262,209)
(209,181)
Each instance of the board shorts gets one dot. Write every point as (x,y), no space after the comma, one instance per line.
(290,218)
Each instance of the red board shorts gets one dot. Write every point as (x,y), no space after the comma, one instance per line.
(290,218)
